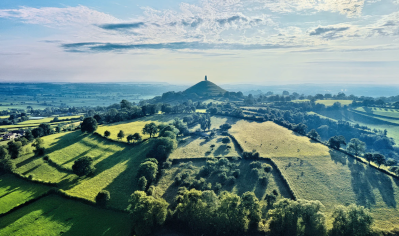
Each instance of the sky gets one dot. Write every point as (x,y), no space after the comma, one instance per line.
(265,42)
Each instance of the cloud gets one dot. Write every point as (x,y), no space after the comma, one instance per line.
(103,47)
(321,30)
(388,25)
(122,26)
(55,17)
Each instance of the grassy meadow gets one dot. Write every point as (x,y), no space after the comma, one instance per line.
(316,172)
(54,215)
(15,191)
(387,112)
(194,147)
(136,126)
(167,189)
(115,164)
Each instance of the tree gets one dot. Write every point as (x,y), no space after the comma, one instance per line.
(14,149)
(137,137)
(379,159)
(147,213)
(313,134)
(102,198)
(369,157)
(29,135)
(83,166)
(107,133)
(336,141)
(225,127)
(356,146)
(301,128)
(46,129)
(121,135)
(3,152)
(225,140)
(150,129)
(89,125)
(142,183)
(149,170)
(129,138)
(352,220)
(181,126)
(39,145)
(6,166)
(205,122)
(98,118)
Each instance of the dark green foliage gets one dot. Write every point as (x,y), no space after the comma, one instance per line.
(379,159)
(225,140)
(137,137)
(83,166)
(167,164)
(3,152)
(121,134)
(162,148)
(102,198)
(217,187)
(267,168)
(250,155)
(369,157)
(149,170)
(270,199)
(29,135)
(6,166)
(147,213)
(352,220)
(263,180)
(181,126)
(89,125)
(336,141)
(169,134)
(107,133)
(14,149)
(225,127)
(255,164)
(236,173)
(297,218)
(39,146)
(150,129)
(142,183)
(356,147)
(313,134)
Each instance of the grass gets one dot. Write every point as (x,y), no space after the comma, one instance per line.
(15,191)
(387,112)
(317,173)
(194,147)
(54,215)
(166,188)
(116,164)
(136,126)
(48,120)
(329,103)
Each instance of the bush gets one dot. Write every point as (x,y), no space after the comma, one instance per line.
(46,158)
(268,168)
(263,180)
(151,190)
(89,125)
(236,173)
(142,183)
(167,164)
(83,166)
(102,198)
(222,177)
(231,180)
(225,140)
(255,164)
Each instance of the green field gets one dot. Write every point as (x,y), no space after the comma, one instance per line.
(317,173)
(54,215)
(387,112)
(115,164)
(48,120)
(194,147)
(15,191)
(329,103)
(136,126)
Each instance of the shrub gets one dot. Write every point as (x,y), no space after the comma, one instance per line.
(102,198)
(83,166)
(255,164)
(167,164)
(222,177)
(263,180)
(268,168)
(225,140)
(107,133)
(236,173)
(46,158)
(231,180)
(152,160)
(151,190)
(142,183)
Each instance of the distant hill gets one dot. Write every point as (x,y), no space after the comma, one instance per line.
(205,88)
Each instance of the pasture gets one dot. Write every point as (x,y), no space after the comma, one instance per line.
(136,126)
(167,189)
(329,103)
(196,146)
(15,191)
(386,112)
(316,172)
(115,162)
(54,215)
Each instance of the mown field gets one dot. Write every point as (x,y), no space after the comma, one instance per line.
(115,164)
(136,126)
(167,189)
(329,103)
(15,191)
(53,215)
(317,173)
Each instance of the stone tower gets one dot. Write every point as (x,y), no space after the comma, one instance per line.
(206,78)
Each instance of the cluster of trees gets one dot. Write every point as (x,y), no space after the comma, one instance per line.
(14,118)
(206,213)
(83,166)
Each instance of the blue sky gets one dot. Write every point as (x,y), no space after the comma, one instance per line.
(265,42)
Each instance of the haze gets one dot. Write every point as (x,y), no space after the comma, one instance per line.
(261,42)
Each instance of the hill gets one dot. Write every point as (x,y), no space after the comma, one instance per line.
(205,88)
(316,172)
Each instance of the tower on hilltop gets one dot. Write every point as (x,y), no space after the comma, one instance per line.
(206,78)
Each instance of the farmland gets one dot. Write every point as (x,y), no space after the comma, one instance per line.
(329,103)
(317,173)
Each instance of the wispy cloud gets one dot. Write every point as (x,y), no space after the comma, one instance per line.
(122,26)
